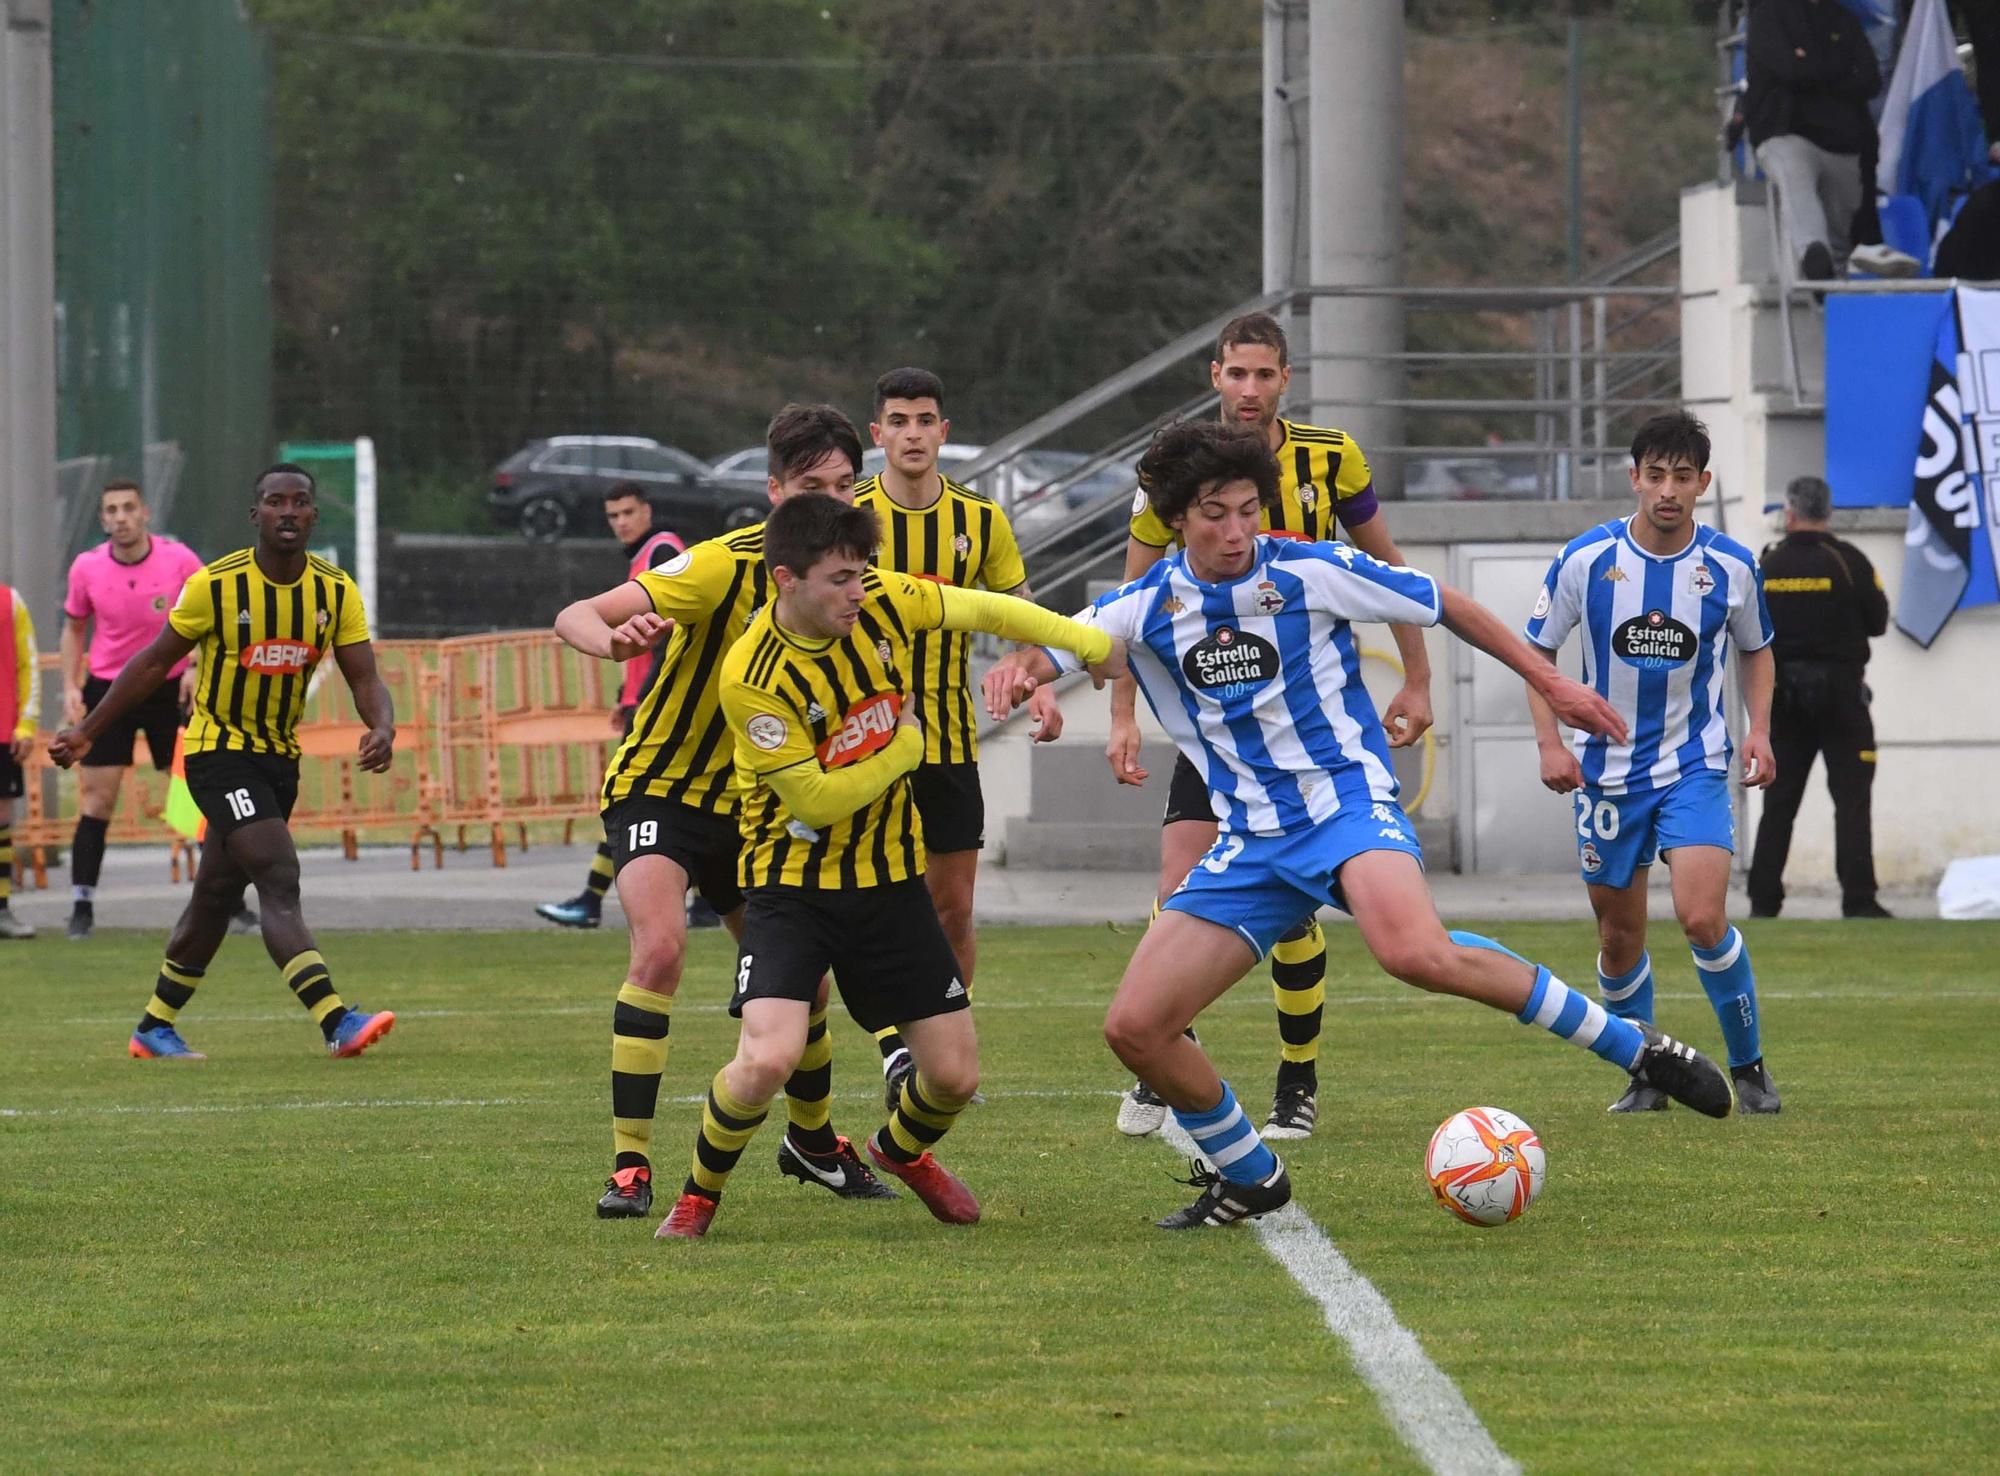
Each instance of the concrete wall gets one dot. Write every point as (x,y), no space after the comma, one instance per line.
(1937,712)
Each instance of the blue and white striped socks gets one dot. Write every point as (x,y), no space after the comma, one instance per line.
(1582,1021)
(1629,996)
(1227,1140)
(1732,990)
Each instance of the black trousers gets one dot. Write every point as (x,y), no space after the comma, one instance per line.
(1821,710)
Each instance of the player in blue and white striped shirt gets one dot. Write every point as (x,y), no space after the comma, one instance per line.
(1658,599)
(1241,645)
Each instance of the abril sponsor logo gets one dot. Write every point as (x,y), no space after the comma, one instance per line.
(868,725)
(279,658)
(1230,662)
(1653,640)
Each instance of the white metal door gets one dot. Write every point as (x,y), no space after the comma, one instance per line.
(1506,821)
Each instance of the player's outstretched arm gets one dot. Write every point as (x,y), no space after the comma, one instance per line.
(140,679)
(1102,654)
(1760,677)
(817,796)
(1571,701)
(1560,770)
(372,701)
(614,626)
(1015,678)
(1122,749)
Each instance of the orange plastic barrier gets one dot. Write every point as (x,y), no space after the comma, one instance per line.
(491,730)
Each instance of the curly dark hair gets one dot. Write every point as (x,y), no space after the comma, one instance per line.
(799,435)
(1188,459)
(1674,436)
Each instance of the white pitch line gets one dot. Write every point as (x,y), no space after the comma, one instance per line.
(1249,1000)
(1417,1396)
(375,1103)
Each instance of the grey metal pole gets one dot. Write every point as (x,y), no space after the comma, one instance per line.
(1356,209)
(30,558)
(1573,181)
(1287,254)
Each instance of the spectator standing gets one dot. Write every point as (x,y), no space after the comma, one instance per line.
(1811,75)
(647,546)
(1826,600)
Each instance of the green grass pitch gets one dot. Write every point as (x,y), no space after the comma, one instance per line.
(272,1261)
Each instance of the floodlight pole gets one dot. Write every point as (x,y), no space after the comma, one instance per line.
(1287,242)
(30,558)
(1356,205)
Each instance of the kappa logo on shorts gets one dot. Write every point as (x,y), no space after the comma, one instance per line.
(1383,815)
(866,726)
(278,658)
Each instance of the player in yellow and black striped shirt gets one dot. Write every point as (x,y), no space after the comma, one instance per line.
(935,528)
(819,701)
(262,619)
(670,807)
(1323,481)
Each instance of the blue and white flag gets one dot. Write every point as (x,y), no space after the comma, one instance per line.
(1933,141)
(1948,561)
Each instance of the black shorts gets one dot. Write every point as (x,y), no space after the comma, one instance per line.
(951,805)
(884,944)
(238,789)
(1187,796)
(11,782)
(702,844)
(158,717)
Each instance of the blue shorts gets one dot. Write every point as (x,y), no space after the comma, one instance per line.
(1260,887)
(1616,834)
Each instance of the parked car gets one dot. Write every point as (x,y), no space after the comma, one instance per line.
(751,464)
(555,487)
(1454,479)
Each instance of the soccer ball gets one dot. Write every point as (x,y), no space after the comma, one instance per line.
(1485,1165)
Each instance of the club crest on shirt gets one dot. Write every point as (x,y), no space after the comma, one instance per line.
(1654,640)
(1308,497)
(962,543)
(1230,663)
(1700,581)
(322,619)
(867,726)
(882,650)
(1267,598)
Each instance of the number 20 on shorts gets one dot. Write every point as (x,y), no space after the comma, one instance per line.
(1599,819)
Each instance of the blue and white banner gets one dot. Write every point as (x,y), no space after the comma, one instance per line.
(1955,500)
(1933,142)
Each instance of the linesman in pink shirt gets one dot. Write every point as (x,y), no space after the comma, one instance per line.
(119,596)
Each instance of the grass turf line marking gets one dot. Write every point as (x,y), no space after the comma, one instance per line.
(1095,1002)
(1421,1402)
(370,1103)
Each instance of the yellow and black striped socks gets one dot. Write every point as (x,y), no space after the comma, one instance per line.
(727,1126)
(601,872)
(6,858)
(306,976)
(1298,983)
(171,992)
(922,1116)
(639,1041)
(808,1093)
(891,1041)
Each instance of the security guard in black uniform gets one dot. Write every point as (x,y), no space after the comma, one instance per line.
(1826,601)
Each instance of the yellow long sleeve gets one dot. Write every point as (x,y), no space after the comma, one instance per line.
(818,797)
(27,671)
(1021,620)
